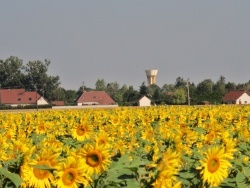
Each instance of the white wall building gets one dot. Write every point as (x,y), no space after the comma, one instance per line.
(144,101)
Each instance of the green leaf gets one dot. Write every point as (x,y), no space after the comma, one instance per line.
(16,179)
(43,167)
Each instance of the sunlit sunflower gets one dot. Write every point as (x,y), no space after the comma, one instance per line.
(214,167)
(36,177)
(72,174)
(96,157)
(42,127)
(82,131)
(103,139)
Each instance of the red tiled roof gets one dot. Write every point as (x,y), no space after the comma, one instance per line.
(18,96)
(58,103)
(100,97)
(232,96)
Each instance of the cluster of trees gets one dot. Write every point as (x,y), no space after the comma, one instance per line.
(34,76)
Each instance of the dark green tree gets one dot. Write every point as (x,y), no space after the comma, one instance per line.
(113,89)
(130,97)
(12,73)
(180,82)
(100,85)
(143,90)
(179,96)
(39,79)
(230,86)
(70,97)
(220,86)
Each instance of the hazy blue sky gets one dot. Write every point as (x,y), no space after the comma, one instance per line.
(117,40)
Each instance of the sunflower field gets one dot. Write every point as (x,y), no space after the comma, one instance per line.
(160,146)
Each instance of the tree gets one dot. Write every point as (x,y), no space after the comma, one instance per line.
(100,85)
(113,89)
(230,86)
(167,88)
(12,73)
(179,96)
(131,96)
(58,95)
(220,86)
(180,82)
(143,89)
(154,92)
(38,78)
(70,97)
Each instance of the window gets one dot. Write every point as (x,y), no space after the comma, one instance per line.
(19,99)
(30,98)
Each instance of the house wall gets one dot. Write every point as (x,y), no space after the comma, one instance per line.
(243,99)
(41,101)
(144,101)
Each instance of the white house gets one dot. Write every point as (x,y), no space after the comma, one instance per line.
(236,97)
(144,101)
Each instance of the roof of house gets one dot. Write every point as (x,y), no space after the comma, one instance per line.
(58,103)
(18,96)
(100,97)
(144,96)
(233,95)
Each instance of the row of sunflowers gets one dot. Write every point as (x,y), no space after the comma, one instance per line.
(162,146)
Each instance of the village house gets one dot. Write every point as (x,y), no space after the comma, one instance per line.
(95,98)
(144,101)
(20,97)
(236,97)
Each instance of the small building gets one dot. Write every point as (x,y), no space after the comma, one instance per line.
(57,103)
(236,97)
(144,101)
(20,97)
(95,98)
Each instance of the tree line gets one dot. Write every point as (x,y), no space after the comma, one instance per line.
(33,76)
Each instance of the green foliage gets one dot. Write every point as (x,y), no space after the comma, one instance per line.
(125,172)
(8,179)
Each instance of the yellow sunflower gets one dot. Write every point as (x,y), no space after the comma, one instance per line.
(82,131)
(168,169)
(96,157)
(36,177)
(72,174)
(103,139)
(214,167)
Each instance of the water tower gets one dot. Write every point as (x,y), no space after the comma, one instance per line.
(151,76)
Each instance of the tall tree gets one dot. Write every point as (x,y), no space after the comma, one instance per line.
(70,97)
(220,86)
(143,90)
(12,73)
(180,82)
(100,85)
(113,89)
(179,96)
(167,88)
(230,86)
(39,79)
(131,96)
